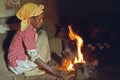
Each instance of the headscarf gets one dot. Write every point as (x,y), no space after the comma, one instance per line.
(27,11)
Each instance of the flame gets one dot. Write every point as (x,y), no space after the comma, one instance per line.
(79,57)
(67,65)
(70,67)
(74,36)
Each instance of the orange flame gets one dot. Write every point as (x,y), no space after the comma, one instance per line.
(67,65)
(79,57)
(74,36)
(70,67)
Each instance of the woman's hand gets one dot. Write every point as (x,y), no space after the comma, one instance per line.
(48,69)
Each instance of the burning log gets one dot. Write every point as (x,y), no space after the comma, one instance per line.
(81,71)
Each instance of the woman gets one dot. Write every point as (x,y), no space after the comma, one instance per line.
(28,50)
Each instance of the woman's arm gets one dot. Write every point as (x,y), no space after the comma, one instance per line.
(39,62)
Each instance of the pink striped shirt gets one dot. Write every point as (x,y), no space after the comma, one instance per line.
(21,42)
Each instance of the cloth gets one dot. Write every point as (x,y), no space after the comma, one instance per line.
(43,46)
(24,41)
(23,66)
(27,11)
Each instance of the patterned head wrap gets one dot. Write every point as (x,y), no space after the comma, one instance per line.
(27,11)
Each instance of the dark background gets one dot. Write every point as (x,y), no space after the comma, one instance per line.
(90,11)
(90,17)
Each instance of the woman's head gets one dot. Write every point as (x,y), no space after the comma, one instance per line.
(36,21)
(30,12)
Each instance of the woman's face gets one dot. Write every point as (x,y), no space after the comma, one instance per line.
(37,21)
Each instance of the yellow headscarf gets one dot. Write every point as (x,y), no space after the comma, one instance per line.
(27,11)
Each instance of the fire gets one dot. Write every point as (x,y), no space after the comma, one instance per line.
(67,65)
(70,67)
(74,36)
(79,57)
